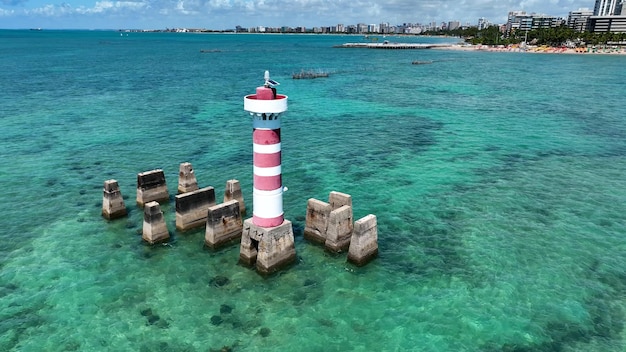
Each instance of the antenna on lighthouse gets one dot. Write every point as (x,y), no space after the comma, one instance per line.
(268,81)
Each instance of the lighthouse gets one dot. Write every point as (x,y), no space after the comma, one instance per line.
(267,240)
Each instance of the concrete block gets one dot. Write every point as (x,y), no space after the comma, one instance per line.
(364,242)
(186,179)
(192,207)
(151,186)
(338,199)
(273,247)
(340,228)
(317,216)
(223,225)
(154,227)
(113,206)
(248,248)
(233,191)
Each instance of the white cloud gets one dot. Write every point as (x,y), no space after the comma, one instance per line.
(220,14)
(100,7)
(180,7)
(49,10)
(114,6)
(7,13)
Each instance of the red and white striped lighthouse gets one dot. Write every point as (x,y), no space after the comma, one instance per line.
(266,108)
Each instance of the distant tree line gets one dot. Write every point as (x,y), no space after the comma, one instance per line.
(557,36)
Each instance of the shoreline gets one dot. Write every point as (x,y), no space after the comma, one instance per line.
(535,49)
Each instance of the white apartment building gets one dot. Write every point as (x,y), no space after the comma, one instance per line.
(521,21)
(604,8)
(577,20)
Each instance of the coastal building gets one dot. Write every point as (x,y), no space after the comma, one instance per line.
(608,16)
(518,21)
(605,7)
(483,23)
(521,21)
(361,28)
(413,30)
(544,21)
(383,28)
(578,20)
(452,25)
(602,24)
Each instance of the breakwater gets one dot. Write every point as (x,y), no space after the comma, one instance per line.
(391,46)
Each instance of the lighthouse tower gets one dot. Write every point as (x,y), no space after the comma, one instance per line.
(267,238)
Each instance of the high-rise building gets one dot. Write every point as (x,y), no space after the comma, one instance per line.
(605,7)
(608,16)
(577,20)
(521,21)
(620,9)
(518,20)
(452,25)
(483,23)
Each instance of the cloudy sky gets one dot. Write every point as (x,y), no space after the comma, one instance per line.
(226,14)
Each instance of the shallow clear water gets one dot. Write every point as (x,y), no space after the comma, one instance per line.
(497,180)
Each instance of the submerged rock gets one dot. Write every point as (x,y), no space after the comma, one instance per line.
(153,319)
(216,320)
(219,281)
(265,332)
(225,309)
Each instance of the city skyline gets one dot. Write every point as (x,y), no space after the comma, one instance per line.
(227,14)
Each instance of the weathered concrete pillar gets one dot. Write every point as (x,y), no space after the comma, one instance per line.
(273,247)
(248,249)
(338,199)
(233,191)
(186,178)
(223,224)
(364,242)
(192,207)
(154,227)
(317,216)
(151,186)
(112,202)
(340,228)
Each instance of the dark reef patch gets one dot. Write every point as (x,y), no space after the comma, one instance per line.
(605,323)
(219,281)
(216,320)
(225,309)
(154,319)
(265,332)
(22,323)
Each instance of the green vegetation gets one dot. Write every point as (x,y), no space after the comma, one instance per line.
(546,36)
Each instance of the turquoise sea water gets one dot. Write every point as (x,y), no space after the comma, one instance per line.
(497,180)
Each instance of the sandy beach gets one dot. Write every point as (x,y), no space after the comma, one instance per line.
(604,50)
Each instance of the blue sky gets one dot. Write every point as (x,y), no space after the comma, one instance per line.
(226,14)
